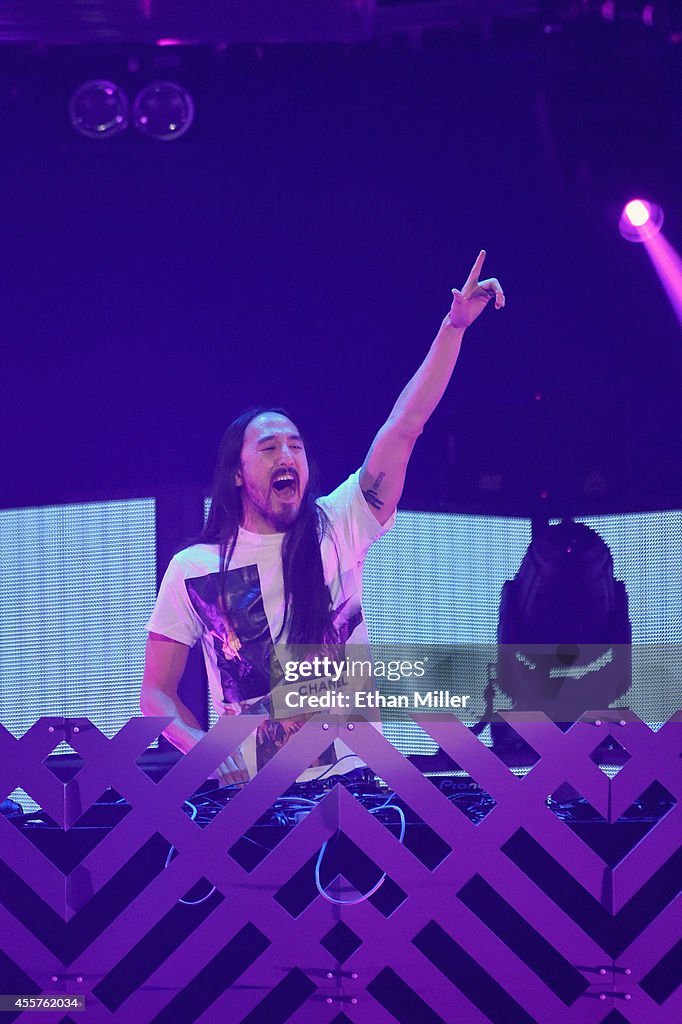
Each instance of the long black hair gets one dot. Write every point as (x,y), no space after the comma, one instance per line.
(307,601)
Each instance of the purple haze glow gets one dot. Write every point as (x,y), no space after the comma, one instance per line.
(668,266)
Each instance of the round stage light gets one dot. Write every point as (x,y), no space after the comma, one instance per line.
(640,220)
(163,110)
(637,212)
(99,109)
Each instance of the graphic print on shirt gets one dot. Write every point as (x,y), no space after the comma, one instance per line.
(239,629)
(240,632)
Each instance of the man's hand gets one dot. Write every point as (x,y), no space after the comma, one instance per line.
(470,302)
(233,770)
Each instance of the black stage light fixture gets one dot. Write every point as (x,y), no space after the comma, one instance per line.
(564,631)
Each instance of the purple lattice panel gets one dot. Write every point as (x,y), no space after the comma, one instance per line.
(603,938)
(516,920)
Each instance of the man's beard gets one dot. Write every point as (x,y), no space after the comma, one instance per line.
(281,516)
(284,518)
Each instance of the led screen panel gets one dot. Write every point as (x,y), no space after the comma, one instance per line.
(647,556)
(437,578)
(78,583)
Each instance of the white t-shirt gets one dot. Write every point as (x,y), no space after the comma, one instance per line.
(237,648)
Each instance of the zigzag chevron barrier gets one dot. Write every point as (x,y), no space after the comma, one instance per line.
(519,922)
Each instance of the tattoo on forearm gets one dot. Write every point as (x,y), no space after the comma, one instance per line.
(371,496)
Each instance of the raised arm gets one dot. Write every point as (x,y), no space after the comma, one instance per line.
(383,473)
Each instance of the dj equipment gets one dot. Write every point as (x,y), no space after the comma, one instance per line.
(67,849)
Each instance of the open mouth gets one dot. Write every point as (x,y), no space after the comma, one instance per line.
(285,484)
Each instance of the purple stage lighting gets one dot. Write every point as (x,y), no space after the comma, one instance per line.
(640,220)
(637,212)
(163,110)
(668,266)
(99,109)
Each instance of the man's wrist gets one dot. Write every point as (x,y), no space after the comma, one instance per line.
(449,326)
(183,736)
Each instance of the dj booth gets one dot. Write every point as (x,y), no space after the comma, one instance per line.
(474,893)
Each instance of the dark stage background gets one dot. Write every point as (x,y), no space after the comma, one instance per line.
(298,247)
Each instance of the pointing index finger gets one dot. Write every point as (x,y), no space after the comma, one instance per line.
(472,279)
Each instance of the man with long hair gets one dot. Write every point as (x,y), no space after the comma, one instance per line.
(276,562)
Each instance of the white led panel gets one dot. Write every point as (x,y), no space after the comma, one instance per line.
(647,555)
(436,578)
(77,585)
